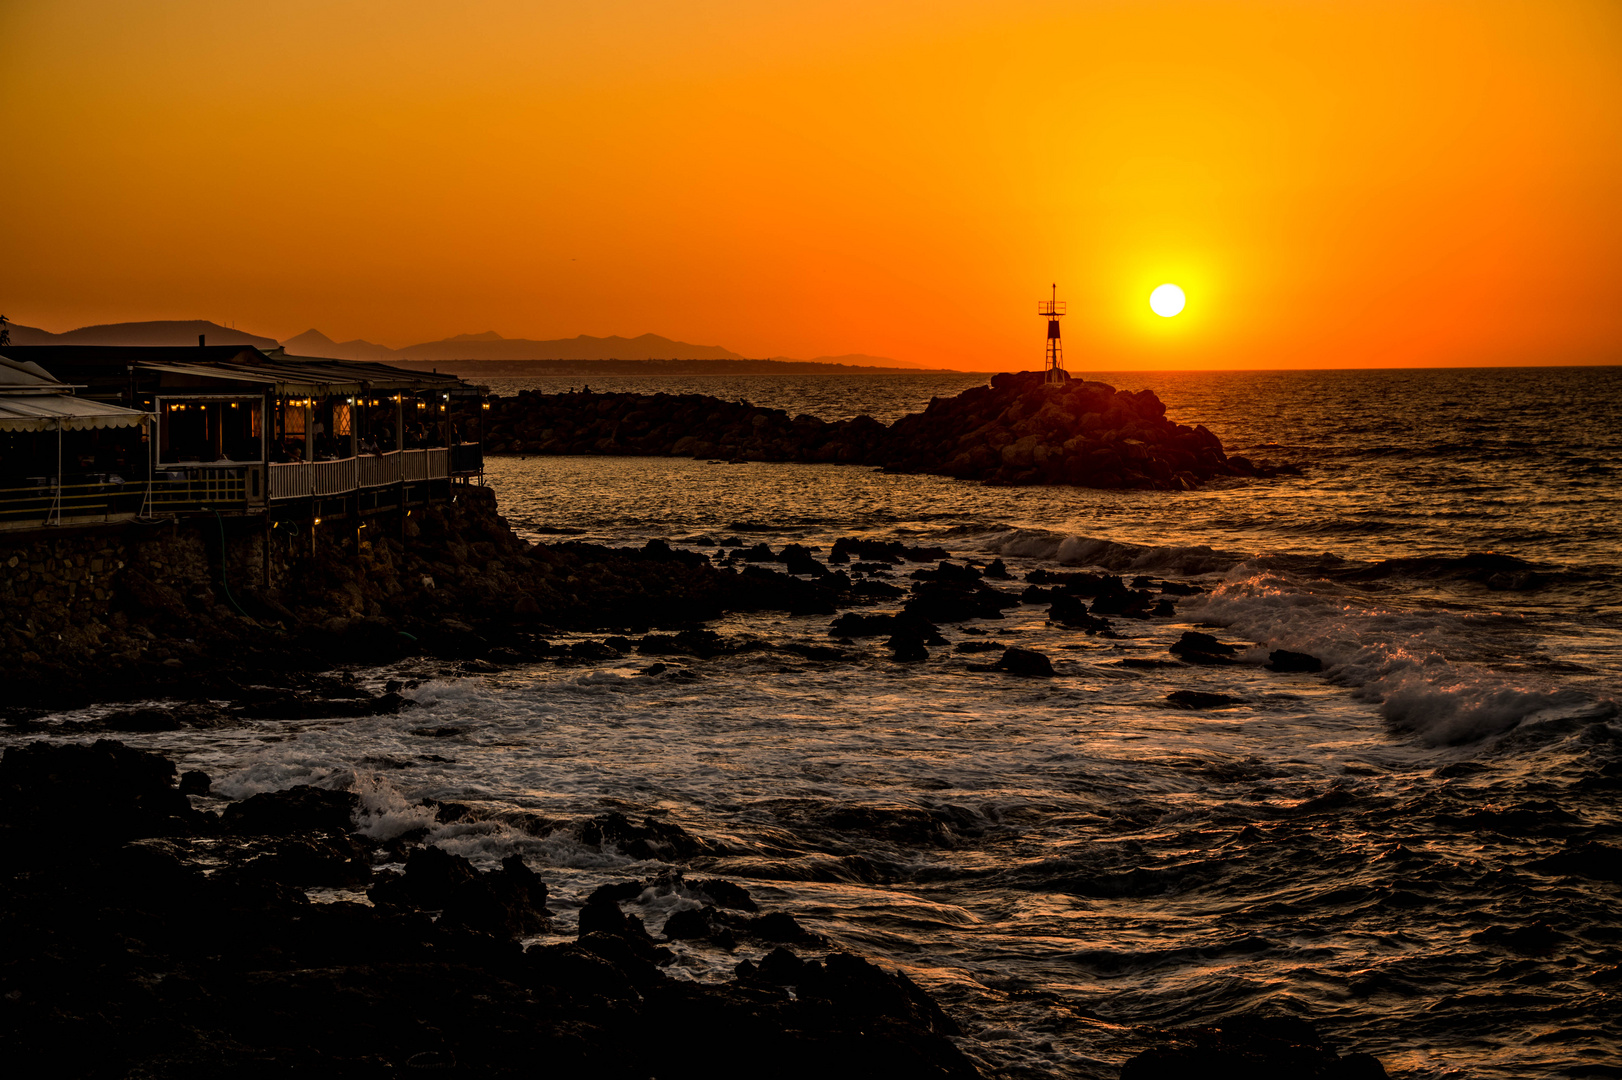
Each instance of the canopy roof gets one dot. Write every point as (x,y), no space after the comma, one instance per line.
(53,412)
(23,377)
(314,378)
(107,369)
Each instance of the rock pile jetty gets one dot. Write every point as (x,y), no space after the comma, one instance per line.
(1017,430)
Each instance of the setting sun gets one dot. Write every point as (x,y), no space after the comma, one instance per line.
(1167,301)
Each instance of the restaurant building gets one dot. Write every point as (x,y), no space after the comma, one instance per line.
(148,433)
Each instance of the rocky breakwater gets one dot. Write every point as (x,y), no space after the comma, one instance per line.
(184,608)
(1017,430)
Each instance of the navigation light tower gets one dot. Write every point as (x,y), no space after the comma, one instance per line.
(1052,309)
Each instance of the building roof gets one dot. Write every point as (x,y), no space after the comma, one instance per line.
(53,412)
(21,377)
(234,363)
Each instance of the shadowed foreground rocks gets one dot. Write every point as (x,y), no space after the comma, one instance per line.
(1018,430)
(120,957)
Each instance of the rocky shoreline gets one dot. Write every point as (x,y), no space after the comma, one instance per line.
(153,930)
(1017,430)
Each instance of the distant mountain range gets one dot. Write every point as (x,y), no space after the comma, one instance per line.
(168,333)
(492,346)
(482,348)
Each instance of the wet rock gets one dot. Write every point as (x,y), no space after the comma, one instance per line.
(939,602)
(296,810)
(1199,699)
(102,793)
(702,923)
(194,782)
(652,839)
(998,569)
(780,926)
(780,967)
(141,720)
(978,646)
(1198,648)
(1025,662)
(703,644)
(314,860)
(726,894)
(430,882)
(1069,610)
(949,573)
(592,651)
(1285,660)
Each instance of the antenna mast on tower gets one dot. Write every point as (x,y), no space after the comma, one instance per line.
(1052,309)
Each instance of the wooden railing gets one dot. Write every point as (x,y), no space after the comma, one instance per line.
(303,479)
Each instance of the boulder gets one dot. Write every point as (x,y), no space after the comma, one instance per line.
(1285,660)
(1025,662)
(1198,648)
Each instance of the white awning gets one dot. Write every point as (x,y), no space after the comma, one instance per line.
(48,412)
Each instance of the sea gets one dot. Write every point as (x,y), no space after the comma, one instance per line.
(1418,848)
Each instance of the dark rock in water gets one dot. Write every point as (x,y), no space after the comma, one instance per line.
(1077,583)
(703,644)
(194,782)
(650,840)
(503,903)
(1024,662)
(780,926)
(615,892)
(1199,699)
(1071,611)
(887,551)
(1198,648)
(689,924)
(781,967)
(508,902)
(1285,660)
(940,602)
(858,624)
(592,651)
(295,810)
(907,645)
(1179,588)
(726,894)
(141,720)
(431,880)
(1249,1048)
(999,570)
(760,553)
(1164,610)
(1113,598)
(314,860)
(949,573)
(978,646)
(102,793)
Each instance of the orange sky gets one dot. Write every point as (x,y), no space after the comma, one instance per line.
(1333,184)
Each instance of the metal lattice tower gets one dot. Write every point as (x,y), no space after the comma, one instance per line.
(1052,309)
